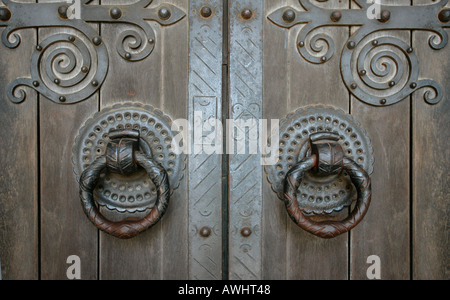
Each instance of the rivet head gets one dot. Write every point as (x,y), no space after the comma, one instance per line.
(375,43)
(205,232)
(246,232)
(84,69)
(62,11)
(351,45)
(128,55)
(410,50)
(413,85)
(151,41)
(97,40)
(383,101)
(363,72)
(323,58)
(444,15)
(289,16)
(39,48)
(385,16)
(5,14)
(115,13)
(94,83)
(36,83)
(62,99)
(164,13)
(392,83)
(336,16)
(72,38)
(246,14)
(353,86)
(206,12)
(301,44)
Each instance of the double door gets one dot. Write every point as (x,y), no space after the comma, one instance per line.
(200,64)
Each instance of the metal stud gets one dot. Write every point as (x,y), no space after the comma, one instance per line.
(351,45)
(353,86)
(247,14)
(164,14)
(383,101)
(385,16)
(128,55)
(289,16)
(36,83)
(115,13)
(444,15)
(94,83)
(413,85)
(205,232)
(301,44)
(206,12)
(246,232)
(336,16)
(72,38)
(97,40)
(5,14)
(62,11)
(62,99)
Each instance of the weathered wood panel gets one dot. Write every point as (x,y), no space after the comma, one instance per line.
(431,166)
(65,230)
(385,231)
(290,82)
(160,80)
(19,162)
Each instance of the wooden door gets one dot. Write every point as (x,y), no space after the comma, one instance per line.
(200,60)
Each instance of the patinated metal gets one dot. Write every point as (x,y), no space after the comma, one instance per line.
(129,228)
(117,191)
(300,134)
(205,170)
(327,229)
(246,173)
(379,71)
(66,56)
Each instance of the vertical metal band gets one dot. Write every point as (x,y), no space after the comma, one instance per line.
(205,171)
(245,201)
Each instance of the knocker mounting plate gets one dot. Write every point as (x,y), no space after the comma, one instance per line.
(136,192)
(327,194)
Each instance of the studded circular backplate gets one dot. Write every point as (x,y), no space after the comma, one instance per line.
(320,195)
(136,192)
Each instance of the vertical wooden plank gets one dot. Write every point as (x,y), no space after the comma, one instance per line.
(141,257)
(275,95)
(430,165)
(19,161)
(175,63)
(309,257)
(65,230)
(159,80)
(384,231)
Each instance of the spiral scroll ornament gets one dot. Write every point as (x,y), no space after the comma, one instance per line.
(69,68)
(65,69)
(381,71)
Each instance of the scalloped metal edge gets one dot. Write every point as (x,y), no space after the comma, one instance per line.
(291,116)
(146,107)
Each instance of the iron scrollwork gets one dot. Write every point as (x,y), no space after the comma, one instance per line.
(66,68)
(382,70)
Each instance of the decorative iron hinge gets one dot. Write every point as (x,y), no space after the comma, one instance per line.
(84,75)
(371,66)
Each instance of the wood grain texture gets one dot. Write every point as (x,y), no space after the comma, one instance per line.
(431,166)
(385,230)
(19,163)
(65,230)
(160,80)
(290,82)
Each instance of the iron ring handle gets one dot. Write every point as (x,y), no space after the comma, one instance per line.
(125,229)
(327,229)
